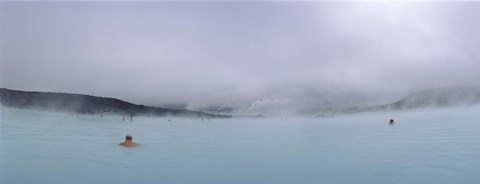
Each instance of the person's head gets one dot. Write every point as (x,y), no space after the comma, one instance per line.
(391,120)
(128,138)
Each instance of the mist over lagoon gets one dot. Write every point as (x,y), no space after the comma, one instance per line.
(424,146)
(239,92)
(275,57)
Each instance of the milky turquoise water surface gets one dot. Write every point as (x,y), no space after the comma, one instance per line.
(429,146)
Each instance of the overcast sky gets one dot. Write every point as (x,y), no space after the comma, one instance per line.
(261,53)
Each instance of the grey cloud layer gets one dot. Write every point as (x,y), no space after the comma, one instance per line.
(241,53)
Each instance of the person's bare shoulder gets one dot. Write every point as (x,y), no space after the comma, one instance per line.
(128,144)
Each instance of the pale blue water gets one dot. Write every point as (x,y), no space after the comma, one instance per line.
(431,146)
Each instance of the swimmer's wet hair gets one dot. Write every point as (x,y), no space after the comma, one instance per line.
(128,137)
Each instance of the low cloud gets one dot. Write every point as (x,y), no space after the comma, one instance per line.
(256,55)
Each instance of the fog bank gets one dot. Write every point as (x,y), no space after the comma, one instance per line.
(251,54)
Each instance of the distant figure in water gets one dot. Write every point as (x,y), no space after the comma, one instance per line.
(128,142)
(391,122)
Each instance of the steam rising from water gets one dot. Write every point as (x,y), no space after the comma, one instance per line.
(432,146)
(253,55)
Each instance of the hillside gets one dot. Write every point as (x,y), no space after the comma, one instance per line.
(429,98)
(85,104)
(436,97)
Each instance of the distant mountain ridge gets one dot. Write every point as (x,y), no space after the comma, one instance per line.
(428,98)
(85,104)
(437,97)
